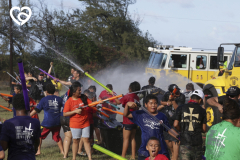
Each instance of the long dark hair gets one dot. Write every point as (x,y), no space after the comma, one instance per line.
(74,88)
(230,109)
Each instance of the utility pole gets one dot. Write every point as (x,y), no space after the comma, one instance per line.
(11,43)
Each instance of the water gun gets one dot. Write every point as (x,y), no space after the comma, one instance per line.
(174,91)
(50,76)
(107,152)
(7,95)
(107,109)
(112,105)
(101,101)
(6,108)
(24,87)
(104,114)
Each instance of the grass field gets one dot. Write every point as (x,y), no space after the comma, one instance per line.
(50,150)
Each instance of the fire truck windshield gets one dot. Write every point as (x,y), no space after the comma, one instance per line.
(237,57)
(157,60)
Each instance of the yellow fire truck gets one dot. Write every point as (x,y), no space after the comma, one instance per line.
(197,66)
(227,77)
(224,78)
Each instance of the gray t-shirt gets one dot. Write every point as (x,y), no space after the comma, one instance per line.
(187,96)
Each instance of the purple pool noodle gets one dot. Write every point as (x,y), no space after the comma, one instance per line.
(24,87)
(46,73)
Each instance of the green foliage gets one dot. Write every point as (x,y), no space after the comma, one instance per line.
(94,38)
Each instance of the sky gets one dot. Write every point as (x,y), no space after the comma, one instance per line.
(192,23)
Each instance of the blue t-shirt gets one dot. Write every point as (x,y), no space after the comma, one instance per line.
(21,132)
(150,128)
(52,106)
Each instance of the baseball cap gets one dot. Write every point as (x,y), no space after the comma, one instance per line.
(171,87)
(41,74)
(199,93)
(233,91)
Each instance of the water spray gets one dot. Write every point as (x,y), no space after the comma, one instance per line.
(24,87)
(51,76)
(73,64)
(15,78)
(16,75)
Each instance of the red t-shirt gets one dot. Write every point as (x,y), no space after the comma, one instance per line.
(159,157)
(90,111)
(128,98)
(77,120)
(32,105)
(104,95)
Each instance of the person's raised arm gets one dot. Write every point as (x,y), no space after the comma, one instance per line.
(214,102)
(50,69)
(126,111)
(29,78)
(65,83)
(160,107)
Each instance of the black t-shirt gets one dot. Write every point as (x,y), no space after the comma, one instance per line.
(46,81)
(221,99)
(169,111)
(152,90)
(191,117)
(79,80)
(70,78)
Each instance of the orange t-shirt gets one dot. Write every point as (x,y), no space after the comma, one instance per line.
(77,120)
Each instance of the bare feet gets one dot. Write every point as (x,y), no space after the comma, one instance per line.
(38,153)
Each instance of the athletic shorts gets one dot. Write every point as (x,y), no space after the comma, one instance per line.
(80,132)
(95,122)
(169,137)
(130,126)
(65,123)
(55,133)
(91,131)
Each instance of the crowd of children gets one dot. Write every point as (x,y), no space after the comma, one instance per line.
(176,134)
